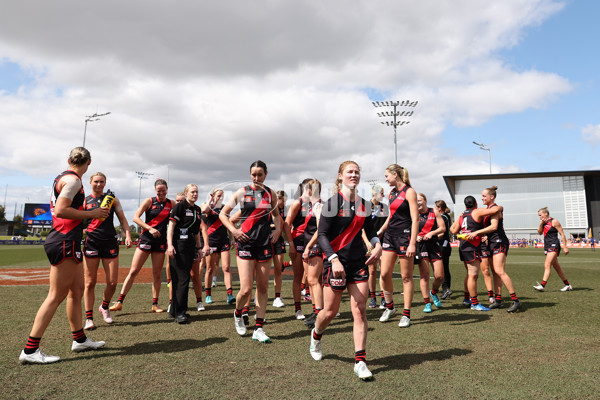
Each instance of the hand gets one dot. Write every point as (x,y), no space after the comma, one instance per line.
(240,236)
(305,254)
(472,236)
(419,238)
(155,233)
(566,250)
(206,250)
(100,212)
(427,236)
(128,242)
(411,250)
(171,251)
(292,251)
(338,269)
(374,255)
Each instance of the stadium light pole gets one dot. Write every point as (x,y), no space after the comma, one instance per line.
(484,147)
(91,118)
(141,175)
(395,123)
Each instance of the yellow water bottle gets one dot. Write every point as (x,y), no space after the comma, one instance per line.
(462,236)
(109,199)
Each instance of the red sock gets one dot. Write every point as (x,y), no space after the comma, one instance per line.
(79,336)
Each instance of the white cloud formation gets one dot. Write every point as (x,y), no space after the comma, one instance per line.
(199,90)
(591,134)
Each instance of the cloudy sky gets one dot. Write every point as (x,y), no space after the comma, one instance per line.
(199,90)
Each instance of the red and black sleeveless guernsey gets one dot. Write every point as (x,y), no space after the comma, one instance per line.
(400,220)
(158,218)
(66,229)
(550,236)
(100,230)
(498,236)
(311,224)
(217,232)
(340,228)
(427,222)
(468,225)
(256,208)
(300,220)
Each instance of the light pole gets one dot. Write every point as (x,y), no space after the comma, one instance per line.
(141,175)
(395,114)
(91,118)
(484,147)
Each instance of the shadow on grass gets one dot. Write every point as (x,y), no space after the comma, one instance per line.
(405,361)
(157,346)
(468,317)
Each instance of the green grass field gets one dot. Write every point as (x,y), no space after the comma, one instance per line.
(549,350)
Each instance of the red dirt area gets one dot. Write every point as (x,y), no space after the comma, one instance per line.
(41,276)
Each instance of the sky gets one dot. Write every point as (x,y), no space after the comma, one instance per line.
(197,91)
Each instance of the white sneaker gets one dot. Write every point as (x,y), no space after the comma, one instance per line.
(315,347)
(260,335)
(361,370)
(37,358)
(387,314)
(404,322)
(200,306)
(240,327)
(89,325)
(105,315)
(278,302)
(214,282)
(539,287)
(566,288)
(492,300)
(89,344)
(299,315)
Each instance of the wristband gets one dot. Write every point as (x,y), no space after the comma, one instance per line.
(332,257)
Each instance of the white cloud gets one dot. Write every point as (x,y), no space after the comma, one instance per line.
(208,87)
(591,134)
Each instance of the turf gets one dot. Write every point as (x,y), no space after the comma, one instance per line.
(549,350)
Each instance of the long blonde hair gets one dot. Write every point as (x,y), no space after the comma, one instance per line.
(400,171)
(338,180)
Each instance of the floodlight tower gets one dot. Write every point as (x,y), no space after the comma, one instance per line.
(395,114)
(91,118)
(484,147)
(141,175)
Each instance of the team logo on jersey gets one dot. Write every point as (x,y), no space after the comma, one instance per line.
(78,254)
(244,253)
(113,251)
(91,253)
(189,213)
(385,245)
(145,246)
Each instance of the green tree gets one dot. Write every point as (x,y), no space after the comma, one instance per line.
(2,214)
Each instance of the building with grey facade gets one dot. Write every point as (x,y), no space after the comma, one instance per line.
(572,197)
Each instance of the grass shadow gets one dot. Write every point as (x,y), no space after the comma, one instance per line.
(453,318)
(157,346)
(404,361)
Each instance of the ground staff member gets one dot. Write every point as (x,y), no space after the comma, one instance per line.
(63,248)
(183,241)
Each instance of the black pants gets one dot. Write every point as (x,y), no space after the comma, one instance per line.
(181,266)
(446,251)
